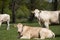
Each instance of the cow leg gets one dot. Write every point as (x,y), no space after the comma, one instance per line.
(42,35)
(25,37)
(40,23)
(0,24)
(8,25)
(46,25)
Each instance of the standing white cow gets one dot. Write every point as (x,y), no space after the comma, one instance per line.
(3,18)
(46,17)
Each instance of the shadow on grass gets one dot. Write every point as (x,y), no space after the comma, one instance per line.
(57,35)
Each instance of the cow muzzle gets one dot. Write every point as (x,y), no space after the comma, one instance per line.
(19,35)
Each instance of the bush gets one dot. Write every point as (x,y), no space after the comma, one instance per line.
(22,12)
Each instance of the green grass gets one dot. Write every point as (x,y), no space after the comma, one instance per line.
(12,33)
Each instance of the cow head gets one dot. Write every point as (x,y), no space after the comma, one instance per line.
(36,12)
(20,29)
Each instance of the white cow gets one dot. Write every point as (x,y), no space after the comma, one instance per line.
(46,17)
(28,32)
(3,18)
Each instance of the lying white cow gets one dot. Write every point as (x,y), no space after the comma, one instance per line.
(27,32)
(46,17)
(3,18)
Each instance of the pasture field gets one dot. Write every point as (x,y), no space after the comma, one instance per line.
(12,33)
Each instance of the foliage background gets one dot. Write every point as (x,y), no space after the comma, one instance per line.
(22,7)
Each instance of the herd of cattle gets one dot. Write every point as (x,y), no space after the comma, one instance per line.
(45,18)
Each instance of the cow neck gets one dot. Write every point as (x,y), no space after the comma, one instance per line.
(39,15)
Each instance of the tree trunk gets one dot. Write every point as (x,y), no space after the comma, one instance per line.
(31,17)
(2,10)
(13,11)
(55,4)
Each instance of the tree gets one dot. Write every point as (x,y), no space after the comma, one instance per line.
(13,11)
(55,4)
(12,7)
(2,10)
(31,17)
